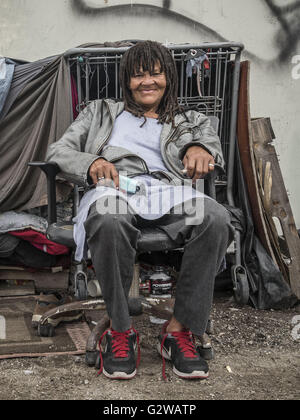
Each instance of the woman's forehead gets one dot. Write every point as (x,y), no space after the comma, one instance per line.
(148,66)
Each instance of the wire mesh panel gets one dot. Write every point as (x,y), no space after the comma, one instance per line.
(208,81)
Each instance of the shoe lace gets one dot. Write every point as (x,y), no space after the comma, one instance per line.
(120,345)
(186,343)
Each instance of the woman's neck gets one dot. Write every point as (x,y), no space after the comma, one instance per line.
(151,114)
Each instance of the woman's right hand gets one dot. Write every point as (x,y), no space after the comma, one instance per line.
(101,169)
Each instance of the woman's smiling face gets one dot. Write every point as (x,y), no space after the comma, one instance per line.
(148,88)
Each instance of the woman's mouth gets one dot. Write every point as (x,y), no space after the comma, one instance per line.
(148,90)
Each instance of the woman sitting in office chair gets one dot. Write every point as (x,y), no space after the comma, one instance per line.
(164,151)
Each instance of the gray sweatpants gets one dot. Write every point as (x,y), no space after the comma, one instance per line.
(112,240)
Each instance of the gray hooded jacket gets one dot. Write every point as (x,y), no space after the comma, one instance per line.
(84,141)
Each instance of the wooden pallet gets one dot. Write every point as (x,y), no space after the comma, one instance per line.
(275,203)
(44,280)
(267,194)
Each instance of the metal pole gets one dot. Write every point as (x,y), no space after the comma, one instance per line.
(233,125)
(70,92)
(175,47)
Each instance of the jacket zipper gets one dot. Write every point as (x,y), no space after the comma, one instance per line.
(162,172)
(145,166)
(133,155)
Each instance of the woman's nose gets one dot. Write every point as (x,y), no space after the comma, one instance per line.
(148,79)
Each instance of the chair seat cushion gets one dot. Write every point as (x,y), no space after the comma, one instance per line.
(62,233)
(152,239)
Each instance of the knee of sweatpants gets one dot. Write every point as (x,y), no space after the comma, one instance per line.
(114,221)
(111,220)
(217,216)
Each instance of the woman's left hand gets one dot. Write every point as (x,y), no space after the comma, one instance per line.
(198,163)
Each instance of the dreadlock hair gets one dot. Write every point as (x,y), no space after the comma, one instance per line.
(145,55)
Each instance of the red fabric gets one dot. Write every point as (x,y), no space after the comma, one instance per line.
(40,241)
(74,97)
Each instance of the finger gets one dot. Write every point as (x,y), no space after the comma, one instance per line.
(96,173)
(100,174)
(107,181)
(115,177)
(185,164)
(199,170)
(92,173)
(191,167)
(211,166)
(205,167)
(108,175)
(96,170)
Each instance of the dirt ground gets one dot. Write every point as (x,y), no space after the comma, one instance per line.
(256,358)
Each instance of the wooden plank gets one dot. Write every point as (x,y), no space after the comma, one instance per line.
(43,280)
(276,201)
(9,267)
(12,288)
(244,134)
(16,275)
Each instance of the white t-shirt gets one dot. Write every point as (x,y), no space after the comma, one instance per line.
(143,141)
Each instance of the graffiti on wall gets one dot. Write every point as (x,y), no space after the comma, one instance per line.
(288,17)
(289,34)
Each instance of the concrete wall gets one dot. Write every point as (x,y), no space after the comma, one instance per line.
(33,29)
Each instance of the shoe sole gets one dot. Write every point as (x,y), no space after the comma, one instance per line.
(194,375)
(54,322)
(119,375)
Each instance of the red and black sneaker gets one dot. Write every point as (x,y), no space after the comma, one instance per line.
(179,347)
(118,359)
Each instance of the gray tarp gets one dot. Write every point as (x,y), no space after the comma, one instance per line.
(6,76)
(23,74)
(38,115)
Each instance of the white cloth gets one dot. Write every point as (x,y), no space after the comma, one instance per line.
(155,197)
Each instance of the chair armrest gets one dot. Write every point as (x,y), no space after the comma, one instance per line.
(210,180)
(51,169)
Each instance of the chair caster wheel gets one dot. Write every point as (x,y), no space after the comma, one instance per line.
(46,330)
(206,354)
(241,287)
(91,358)
(81,286)
(241,292)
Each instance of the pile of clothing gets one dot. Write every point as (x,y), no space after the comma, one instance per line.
(23,241)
